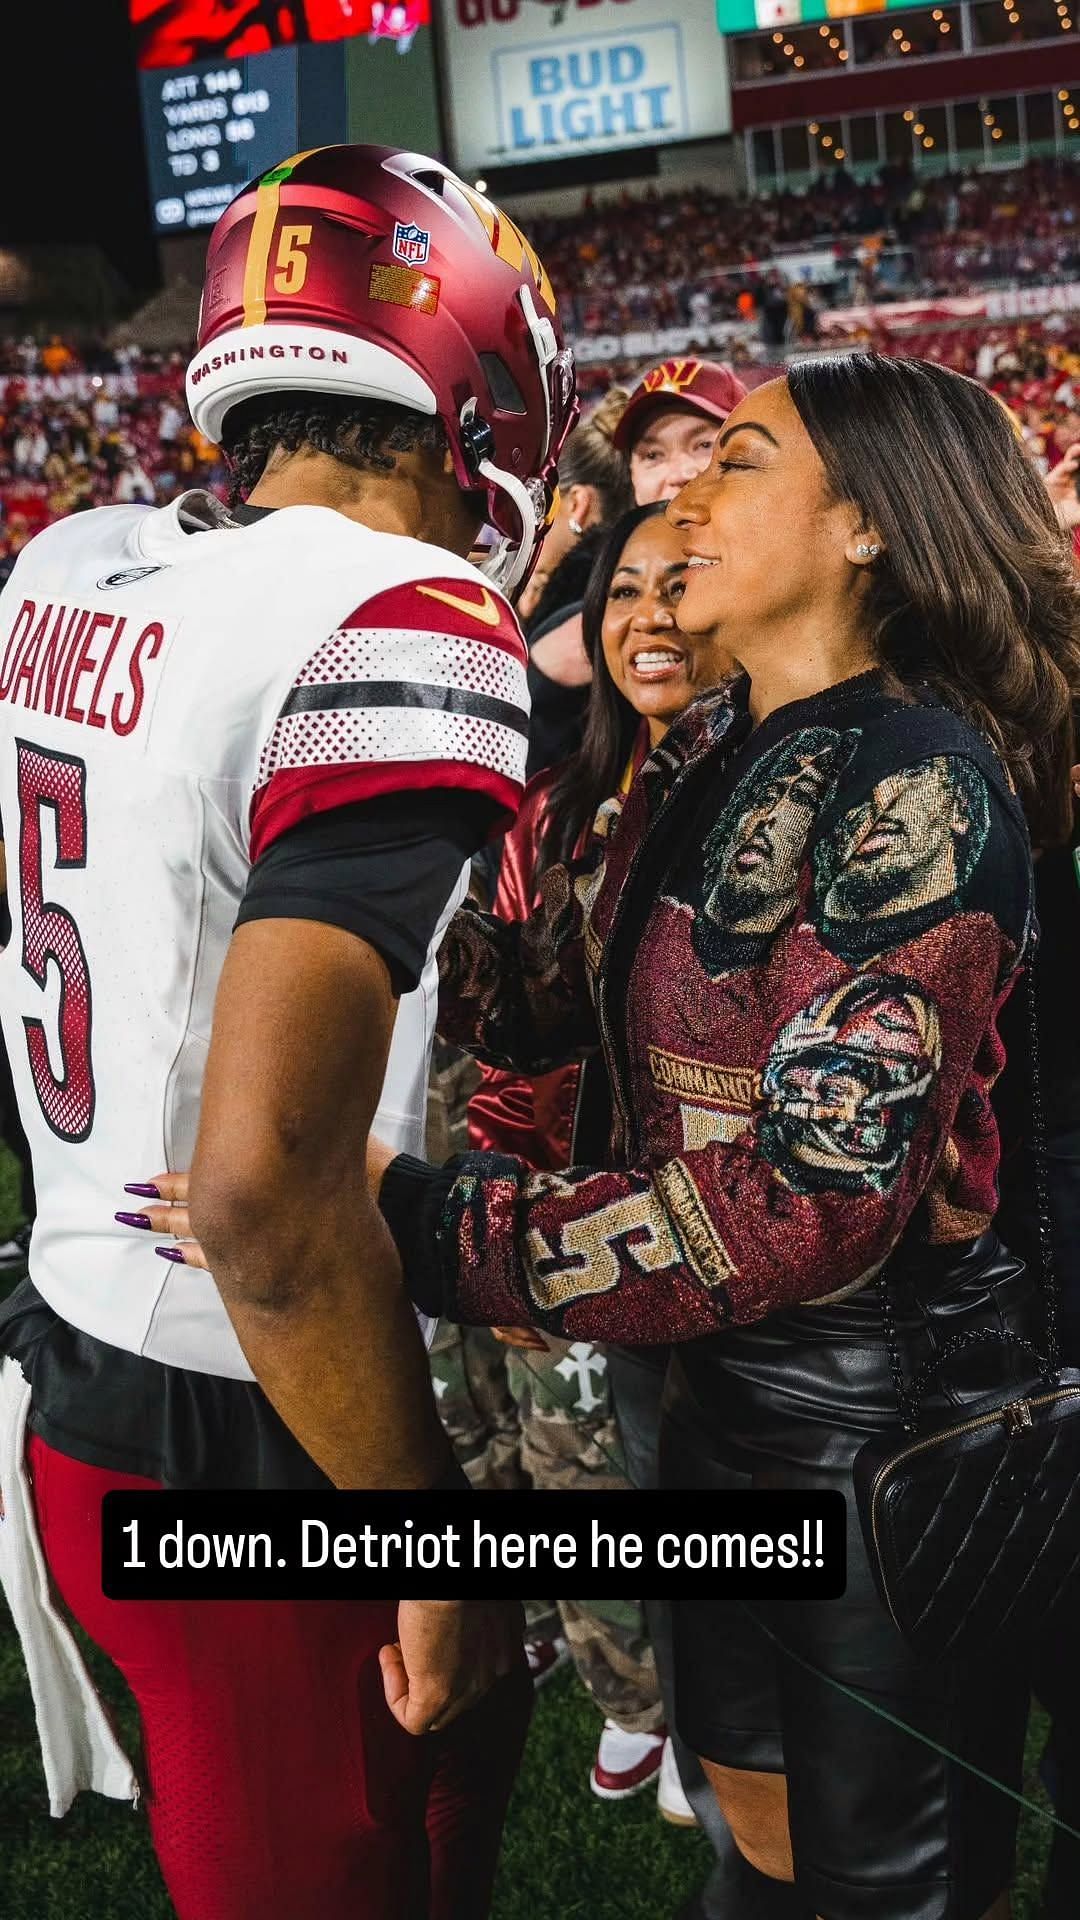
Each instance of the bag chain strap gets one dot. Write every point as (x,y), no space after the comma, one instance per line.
(909,1397)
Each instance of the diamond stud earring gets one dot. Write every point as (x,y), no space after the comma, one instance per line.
(866,552)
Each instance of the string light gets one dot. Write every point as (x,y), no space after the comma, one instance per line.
(905,46)
(789,49)
(842,55)
(988,119)
(919,128)
(937,14)
(839,154)
(898,33)
(944,27)
(814,128)
(826,139)
(1015,19)
(997,134)
(1063,95)
(798,61)
(778,39)
(833,42)
(928,143)
(824,32)
(909,116)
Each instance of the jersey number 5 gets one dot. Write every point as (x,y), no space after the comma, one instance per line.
(57,781)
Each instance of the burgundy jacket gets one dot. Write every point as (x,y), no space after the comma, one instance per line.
(509,1112)
(793,949)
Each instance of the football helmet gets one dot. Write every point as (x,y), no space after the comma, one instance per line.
(367,271)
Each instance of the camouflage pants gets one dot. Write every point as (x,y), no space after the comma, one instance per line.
(545,1420)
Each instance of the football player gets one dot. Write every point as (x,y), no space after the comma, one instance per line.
(246,754)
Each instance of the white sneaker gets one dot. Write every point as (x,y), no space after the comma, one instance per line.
(626,1763)
(672,1803)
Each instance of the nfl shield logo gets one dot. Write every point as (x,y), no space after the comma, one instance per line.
(411,244)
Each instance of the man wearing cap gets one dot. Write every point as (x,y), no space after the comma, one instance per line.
(669,428)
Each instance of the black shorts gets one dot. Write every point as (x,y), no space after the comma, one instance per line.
(883,1826)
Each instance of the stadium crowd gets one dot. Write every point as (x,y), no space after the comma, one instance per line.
(88,426)
(695,257)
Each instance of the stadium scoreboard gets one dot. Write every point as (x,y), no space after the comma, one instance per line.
(212,126)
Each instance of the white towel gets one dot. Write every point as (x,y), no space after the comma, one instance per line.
(78,1746)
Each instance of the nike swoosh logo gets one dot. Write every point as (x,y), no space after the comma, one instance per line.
(485,610)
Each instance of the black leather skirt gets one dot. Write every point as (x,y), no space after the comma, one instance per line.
(883,1825)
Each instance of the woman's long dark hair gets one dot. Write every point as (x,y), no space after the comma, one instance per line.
(593,773)
(977,594)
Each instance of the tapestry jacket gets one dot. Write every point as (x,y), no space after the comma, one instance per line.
(792,945)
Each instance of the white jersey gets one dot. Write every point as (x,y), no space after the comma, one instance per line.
(171,700)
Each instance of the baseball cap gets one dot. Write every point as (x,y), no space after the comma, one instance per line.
(703,386)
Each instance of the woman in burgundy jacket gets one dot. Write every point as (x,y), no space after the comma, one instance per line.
(793,947)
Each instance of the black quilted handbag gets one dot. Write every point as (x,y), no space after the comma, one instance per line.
(973,1526)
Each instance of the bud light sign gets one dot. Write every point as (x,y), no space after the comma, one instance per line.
(595,92)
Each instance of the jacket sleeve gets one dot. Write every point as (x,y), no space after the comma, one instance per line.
(859,1090)
(515,994)
(511,1112)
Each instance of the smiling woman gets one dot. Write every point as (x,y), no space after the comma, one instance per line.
(792,947)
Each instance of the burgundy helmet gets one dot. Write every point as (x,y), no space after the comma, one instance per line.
(369,272)
(703,386)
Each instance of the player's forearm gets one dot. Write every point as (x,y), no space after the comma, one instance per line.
(333,1342)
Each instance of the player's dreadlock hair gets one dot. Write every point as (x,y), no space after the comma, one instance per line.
(365,434)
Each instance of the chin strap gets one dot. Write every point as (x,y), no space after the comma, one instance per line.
(509,562)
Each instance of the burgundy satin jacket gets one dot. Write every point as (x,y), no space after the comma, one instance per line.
(509,1112)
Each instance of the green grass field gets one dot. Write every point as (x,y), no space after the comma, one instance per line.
(566,1855)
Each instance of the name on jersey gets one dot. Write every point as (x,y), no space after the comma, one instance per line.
(78,665)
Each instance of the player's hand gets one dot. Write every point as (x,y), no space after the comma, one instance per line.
(1061,486)
(525,1337)
(446,1656)
(166,1215)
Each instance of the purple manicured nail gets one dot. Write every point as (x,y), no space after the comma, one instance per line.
(169,1253)
(134,1220)
(142,1189)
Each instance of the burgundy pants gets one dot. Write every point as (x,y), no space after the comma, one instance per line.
(278,1784)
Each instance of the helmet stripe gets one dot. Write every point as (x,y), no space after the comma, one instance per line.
(267,205)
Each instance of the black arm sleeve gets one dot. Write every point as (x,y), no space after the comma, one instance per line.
(382,869)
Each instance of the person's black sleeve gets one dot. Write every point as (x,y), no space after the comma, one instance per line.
(382,869)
